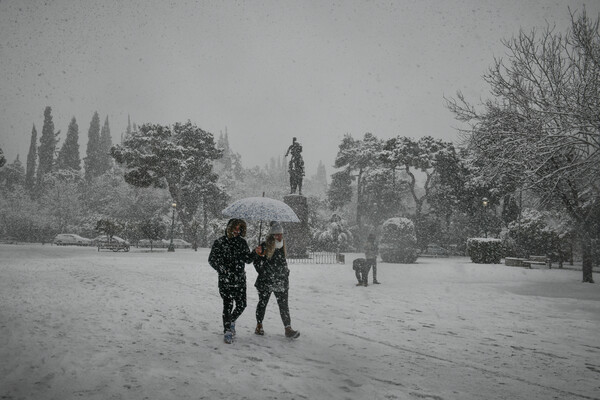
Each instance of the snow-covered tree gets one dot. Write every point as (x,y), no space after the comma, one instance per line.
(12,175)
(318,182)
(179,158)
(456,198)
(340,190)
(152,229)
(46,150)
(92,159)
(533,235)
(381,199)
(68,156)
(105,161)
(31,162)
(541,129)
(23,218)
(61,200)
(128,130)
(416,156)
(334,237)
(356,157)
(109,227)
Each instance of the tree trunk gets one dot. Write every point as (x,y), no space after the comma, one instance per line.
(560,254)
(205,225)
(587,261)
(571,251)
(359,200)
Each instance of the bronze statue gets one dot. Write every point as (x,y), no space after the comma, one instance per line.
(296,166)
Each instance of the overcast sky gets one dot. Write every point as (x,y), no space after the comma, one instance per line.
(264,70)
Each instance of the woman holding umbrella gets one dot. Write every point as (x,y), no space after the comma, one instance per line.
(228,257)
(273,276)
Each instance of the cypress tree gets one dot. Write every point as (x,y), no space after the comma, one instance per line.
(31,157)
(104,158)
(68,156)
(47,147)
(91,160)
(321,178)
(128,131)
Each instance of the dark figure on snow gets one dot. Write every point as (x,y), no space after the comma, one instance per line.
(359,266)
(296,166)
(362,266)
(371,251)
(228,256)
(273,277)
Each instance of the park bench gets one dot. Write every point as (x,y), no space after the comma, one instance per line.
(537,262)
(531,262)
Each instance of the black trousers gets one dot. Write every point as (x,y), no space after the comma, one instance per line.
(232,296)
(371,262)
(362,274)
(282,301)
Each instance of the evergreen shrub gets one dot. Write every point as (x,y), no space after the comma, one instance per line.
(485,250)
(334,237)
(398,242)
(532,236)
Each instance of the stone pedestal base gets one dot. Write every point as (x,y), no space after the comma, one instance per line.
(297,234)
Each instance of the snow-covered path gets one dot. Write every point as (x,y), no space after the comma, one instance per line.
(76,323)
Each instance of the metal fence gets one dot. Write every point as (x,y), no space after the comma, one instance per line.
(320,257)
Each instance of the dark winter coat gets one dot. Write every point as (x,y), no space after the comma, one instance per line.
(229,256)
(273,273)
(371,250)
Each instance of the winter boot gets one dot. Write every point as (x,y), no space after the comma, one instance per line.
(259,330)
(228,337)
(290,333)
(232,328)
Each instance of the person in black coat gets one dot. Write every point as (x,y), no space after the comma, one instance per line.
(273,277)
(228,256)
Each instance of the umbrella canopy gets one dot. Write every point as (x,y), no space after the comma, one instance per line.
(260,209)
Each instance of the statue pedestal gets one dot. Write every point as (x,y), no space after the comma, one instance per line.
(297,234)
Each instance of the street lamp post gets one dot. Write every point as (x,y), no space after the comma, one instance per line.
(171,245)
(485,203)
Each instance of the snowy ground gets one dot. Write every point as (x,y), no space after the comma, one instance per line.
(75,323)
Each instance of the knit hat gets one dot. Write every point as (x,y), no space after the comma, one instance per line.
(275,228)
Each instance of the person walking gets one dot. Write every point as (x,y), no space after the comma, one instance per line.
(228,256)
(273,277)
(371,251)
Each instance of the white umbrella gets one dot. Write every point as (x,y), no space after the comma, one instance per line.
(260,209)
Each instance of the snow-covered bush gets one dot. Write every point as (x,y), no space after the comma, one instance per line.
(531,235)
(398,242)
(335,237)
(485,250)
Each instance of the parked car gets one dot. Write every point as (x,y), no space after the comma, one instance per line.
(105,238)
(115,243)
(64,239)
(177,243)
